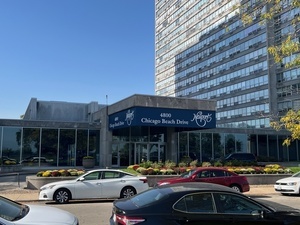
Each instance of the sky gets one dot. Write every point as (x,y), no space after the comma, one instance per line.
(74,51)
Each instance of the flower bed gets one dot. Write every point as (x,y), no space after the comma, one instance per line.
(149,168)
(60,173)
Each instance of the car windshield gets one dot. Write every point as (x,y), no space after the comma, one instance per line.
(188,173)
(150,196)
(296,174)
(12,211)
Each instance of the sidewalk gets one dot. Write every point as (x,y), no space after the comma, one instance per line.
(27,195)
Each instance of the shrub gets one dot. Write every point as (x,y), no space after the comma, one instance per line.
(169,164)
(206,164)
(146,164)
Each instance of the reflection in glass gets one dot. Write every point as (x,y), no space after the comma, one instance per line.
(67,154)
(82,140)
(30,146)
(48,148)
(11,146)
(94,150)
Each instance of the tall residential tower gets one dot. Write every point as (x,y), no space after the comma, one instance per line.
(204,51)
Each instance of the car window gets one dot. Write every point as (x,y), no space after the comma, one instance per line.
(93,176)
(151,196)
(229,203)
(110,175)
(196,203)
(203,174)
(218,173)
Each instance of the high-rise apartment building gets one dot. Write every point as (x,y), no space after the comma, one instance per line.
(204,51)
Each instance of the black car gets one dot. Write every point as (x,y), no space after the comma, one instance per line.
(194,204)
(245,158)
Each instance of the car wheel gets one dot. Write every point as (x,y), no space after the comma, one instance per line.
(127,192)
(236,187)
(62,196)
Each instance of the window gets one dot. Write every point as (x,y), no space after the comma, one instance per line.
(235,204)
(92,176)
(196,203)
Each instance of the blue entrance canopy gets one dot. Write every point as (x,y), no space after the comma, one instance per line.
(163,117)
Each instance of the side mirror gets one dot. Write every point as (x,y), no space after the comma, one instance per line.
(258,213)
(81,179)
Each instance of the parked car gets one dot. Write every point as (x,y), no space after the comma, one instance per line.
(34,160)
(7,160)
(14,213)
(214,175)
(194,204)
(288,185)
(100,183)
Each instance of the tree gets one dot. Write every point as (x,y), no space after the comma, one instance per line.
(267,11)
(287,50)
(290,122)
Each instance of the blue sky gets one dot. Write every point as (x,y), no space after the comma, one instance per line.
(74,51)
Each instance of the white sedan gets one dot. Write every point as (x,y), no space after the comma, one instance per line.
(14,213)
(289,185)
(100,183)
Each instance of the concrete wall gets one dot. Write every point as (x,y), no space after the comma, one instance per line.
(34,182)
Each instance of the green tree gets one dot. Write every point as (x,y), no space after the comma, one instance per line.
(267,12)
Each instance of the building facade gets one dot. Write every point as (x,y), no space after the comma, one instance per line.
(140,127)
(204,51)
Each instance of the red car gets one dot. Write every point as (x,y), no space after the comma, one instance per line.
(211,175)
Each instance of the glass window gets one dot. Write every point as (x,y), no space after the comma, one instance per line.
(196,203)
(81,146)
(49,146)
(94,145)
(235,204)
(93,176)
(30,143)
(11,146)
(67,153)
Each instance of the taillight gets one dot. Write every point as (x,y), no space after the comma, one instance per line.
(127,220)
(144,180)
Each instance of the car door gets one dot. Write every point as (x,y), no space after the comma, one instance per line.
(235,209)
(198,208)
(202,176)
(89,186)
(111,184)
(219,177)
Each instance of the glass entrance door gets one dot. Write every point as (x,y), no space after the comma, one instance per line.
(140,153)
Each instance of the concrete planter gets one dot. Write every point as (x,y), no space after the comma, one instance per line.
(34,182)
(88,163)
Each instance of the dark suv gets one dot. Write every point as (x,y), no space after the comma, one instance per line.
(244,158)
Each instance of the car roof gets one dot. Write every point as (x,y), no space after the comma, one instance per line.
(112,170)
(211,168)
(197,186)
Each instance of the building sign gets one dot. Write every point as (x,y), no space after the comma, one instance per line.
(162,117)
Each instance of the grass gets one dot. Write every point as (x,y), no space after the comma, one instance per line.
(294,169)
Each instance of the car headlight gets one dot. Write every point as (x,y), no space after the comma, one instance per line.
(47,187)
(292,183)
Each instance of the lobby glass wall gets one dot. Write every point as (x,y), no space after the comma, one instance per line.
(49,147)
(11,142)
(206,146)
(136,144)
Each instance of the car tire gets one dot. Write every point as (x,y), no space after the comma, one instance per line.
(236,187)
(127,192)
(62,196)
